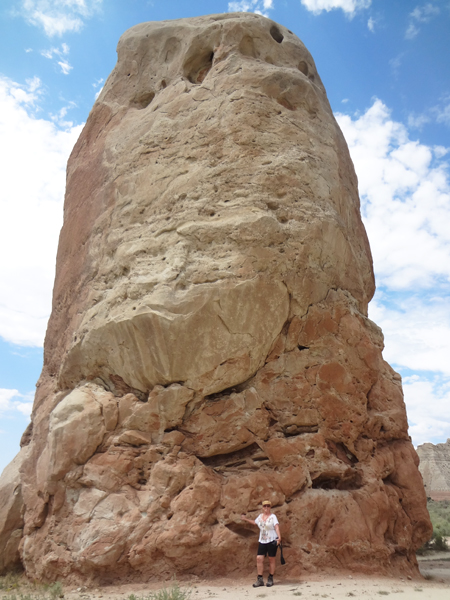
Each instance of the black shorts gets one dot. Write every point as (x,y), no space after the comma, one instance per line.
(269,549)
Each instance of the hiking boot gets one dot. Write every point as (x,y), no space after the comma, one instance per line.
(270,581)
(259,581)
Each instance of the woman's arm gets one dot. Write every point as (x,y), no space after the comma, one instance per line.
(244,518)
(277,529)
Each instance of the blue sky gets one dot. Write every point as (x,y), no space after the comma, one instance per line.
(385,65)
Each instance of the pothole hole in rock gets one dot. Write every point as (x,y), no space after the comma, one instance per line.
(291,430)
(235,389)
(303,67)
(276,34)
(238,458)
(285,103)
(352,481)
(219,395)
(198,68)
(141,101)
(388,480)
(247,47)
(341,451)
(240,530)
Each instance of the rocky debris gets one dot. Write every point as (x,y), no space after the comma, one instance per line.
(435,469)
(209,345)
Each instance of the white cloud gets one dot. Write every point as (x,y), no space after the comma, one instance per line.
(440,151)
(350,7)
(418,121)
(56,17)
(60,117)
(33,155)
(257,6)
(60,54)
(12,400)
(5,398)
(371,24)
(428,405)
(416,329)
(438,114)
(395,63)
(405,197)
(421,14)
(442,113)
(65,66)
(405,193)
(411,31)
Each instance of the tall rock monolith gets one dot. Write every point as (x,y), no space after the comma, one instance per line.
(209,345)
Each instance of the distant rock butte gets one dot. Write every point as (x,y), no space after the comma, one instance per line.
(435,469)
(209,345)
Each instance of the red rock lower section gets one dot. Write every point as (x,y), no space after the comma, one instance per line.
(145,490)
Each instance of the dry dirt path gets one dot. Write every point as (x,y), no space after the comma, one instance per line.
(364,588)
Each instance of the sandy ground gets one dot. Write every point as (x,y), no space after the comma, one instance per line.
(435,585)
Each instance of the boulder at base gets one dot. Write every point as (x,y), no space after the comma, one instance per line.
(209,345)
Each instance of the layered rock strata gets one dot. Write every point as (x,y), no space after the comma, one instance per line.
(435,469)
(209,345)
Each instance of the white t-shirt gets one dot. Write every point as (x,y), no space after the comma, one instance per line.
(267,531)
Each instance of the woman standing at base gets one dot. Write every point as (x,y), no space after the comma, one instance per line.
(269,540)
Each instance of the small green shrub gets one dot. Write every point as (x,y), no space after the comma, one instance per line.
(440,543)
(10,581)
(440,516)
(56,590)
(175,592)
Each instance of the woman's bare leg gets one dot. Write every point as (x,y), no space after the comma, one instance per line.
(272,563)
(260,564)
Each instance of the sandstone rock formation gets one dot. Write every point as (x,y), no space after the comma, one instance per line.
(209,345)
(435,469)
(11,514)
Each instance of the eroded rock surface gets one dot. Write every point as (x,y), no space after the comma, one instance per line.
(11,514)
(209,345)
(435,469)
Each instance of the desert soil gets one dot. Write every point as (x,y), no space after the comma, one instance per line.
(435,585)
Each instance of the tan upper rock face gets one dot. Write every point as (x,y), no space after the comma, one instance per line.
(209,345)
(227,198)
(435,469)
